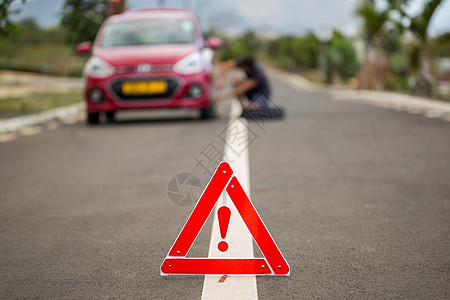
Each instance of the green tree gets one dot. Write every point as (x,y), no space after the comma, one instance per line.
(247,44)
(343,57)
(440,45)
(419,27)
(83,18)
(294,53)
(6,26)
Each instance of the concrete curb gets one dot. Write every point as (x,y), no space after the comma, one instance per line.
(400,102)
(17,123)
(390,100)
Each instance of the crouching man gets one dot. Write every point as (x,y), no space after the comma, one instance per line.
(254,88)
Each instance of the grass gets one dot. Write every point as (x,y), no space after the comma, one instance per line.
(36,102)
(59,60)
(33,49)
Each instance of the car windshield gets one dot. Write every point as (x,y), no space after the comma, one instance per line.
(148,32)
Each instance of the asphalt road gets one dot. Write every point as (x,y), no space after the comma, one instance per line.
(356,197)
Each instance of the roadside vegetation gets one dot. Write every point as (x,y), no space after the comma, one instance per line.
(36,102)
(40,50)
(27,47)
(392,50)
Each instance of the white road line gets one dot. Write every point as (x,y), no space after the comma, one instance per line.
(238,237)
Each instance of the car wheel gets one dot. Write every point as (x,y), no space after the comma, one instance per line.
(208,113)
(92,118)
(110,116)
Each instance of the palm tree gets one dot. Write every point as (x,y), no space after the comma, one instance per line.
(374,26)
(419,27)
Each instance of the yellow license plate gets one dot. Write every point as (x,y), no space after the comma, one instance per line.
(144,87)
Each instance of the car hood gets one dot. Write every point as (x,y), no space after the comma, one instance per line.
(155,55)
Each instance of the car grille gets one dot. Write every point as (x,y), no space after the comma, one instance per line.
(171,87)
(154,68)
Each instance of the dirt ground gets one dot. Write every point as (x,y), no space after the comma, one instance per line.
(13,84)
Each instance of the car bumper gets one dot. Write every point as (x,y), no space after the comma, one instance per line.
(104,94)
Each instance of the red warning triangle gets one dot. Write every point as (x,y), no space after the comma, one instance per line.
(176,262)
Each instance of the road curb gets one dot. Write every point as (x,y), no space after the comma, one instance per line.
(390,100)
(400,102)
(17,123)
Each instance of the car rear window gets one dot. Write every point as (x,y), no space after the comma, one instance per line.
(148,32)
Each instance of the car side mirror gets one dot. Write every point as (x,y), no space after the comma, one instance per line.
(214,43)
(84,48)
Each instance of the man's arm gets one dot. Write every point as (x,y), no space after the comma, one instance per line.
(223,69)
(239,90)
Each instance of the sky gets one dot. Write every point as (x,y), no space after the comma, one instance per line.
(271,17)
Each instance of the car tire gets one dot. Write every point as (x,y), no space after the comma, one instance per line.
(92,118)
(110,116)
(208,113)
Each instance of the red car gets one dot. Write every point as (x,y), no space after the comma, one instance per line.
(149,59)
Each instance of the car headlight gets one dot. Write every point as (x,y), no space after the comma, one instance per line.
(98,67)
(208,54)
(190,64)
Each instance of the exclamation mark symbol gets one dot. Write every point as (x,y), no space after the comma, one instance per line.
(223,214)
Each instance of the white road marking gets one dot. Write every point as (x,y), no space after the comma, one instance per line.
(238,237)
